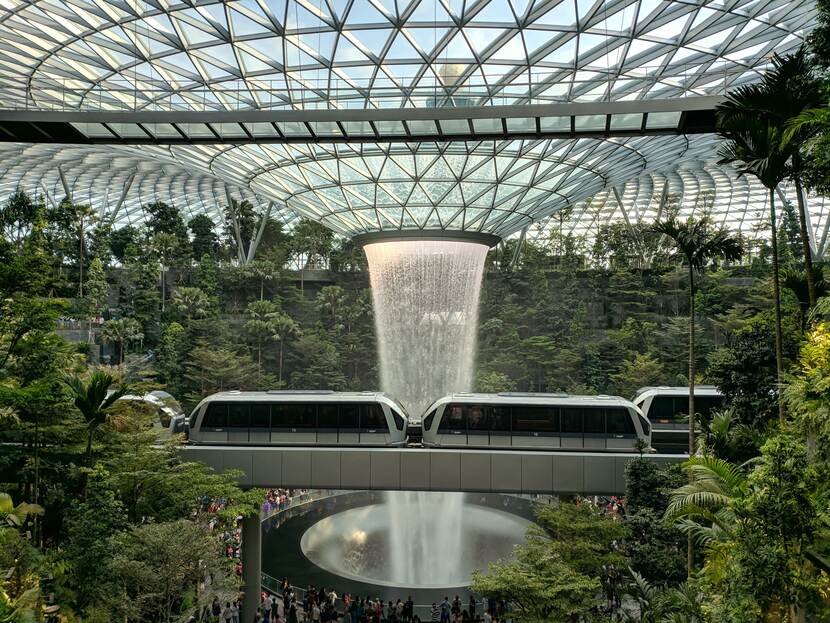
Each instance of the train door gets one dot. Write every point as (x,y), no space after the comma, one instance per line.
(348,424)
(214,427)
(478,425)
(620,429)
(327,423)
(452,430)
(260,429)
(374,430)
(294,423)
(238,422)
(593,428)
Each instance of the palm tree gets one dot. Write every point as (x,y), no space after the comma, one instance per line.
(167,247)
(283,328)
(786,91)
(94,399)
(755,143)
(192,302)
(120,332)
(698,244)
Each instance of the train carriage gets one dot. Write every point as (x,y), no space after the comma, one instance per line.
(531,420)
(298,417)
(667,408)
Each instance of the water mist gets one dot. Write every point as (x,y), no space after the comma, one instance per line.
(426,296)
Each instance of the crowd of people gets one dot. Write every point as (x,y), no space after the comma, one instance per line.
(325,606)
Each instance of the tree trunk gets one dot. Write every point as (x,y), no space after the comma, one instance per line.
(805,242)
(282,343)
(162,289)
(89,447)
(690,545)
(776,293)
(81,260)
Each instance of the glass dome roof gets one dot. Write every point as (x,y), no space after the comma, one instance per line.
(343,54)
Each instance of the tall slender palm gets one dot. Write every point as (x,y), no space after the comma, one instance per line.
(786,91)
(121,332)
(93,399)
(283,328)
(754,142)
(698,244)
(191,302)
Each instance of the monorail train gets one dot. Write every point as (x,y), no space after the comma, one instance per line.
(667,408)
(528,420)
(298,417)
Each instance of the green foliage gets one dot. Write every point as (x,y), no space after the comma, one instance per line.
(205,241)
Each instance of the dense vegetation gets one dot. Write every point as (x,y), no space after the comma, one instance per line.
(101,520)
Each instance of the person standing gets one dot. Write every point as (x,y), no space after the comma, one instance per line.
(435,613)
(408,609)
(235,611)
(445,610)
(472,608)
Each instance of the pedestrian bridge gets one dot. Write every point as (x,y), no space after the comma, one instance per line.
(424,469)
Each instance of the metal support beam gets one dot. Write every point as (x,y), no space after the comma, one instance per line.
(255,242)
(517,252)
(127,185)
(65,184)
(49,197)
(240,252)
(251,566)
(629,225)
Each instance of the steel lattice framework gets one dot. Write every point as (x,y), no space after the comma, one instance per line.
(231,55)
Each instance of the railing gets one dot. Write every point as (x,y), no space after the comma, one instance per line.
(463,89)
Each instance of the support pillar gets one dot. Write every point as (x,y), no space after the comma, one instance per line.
(251,566)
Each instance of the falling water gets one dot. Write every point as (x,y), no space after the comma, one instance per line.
(425,296)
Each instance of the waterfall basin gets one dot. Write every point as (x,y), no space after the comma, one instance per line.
(420,540)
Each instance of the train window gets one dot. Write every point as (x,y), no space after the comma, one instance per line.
(349,417)
(260,415)
(428,419)
(594,420)
(618,421)
(500,419)
(238,415)
(535,419)
(216,416)
(294,416)
(327,416)
(572,420)
(399,421)
(372,418)
(662,409)
(477,419)
(705,404)
(453,419)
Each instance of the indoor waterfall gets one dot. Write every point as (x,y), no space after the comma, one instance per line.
(425,296)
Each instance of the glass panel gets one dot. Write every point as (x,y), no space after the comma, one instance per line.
(454,126)
(500,419)
(535,419)
(619,422)
(681,408)
(488,126)
(572,420)
(162,130)
(393,128)
(661,120)
(555,124)
(326,128)
(372,418)
(589,122)
(359,128)
(196,130)
(293,128)
(92,129)
(327,415)
(428,420)
(260,415)
(627,121)
(238,415)
(229,130)
(594,420)
(294,416)
(521,124)
(661,409)
(417,126)
(705,404)
(349,417)
(476,417)
(216,416)
(261,129)
(453,418)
